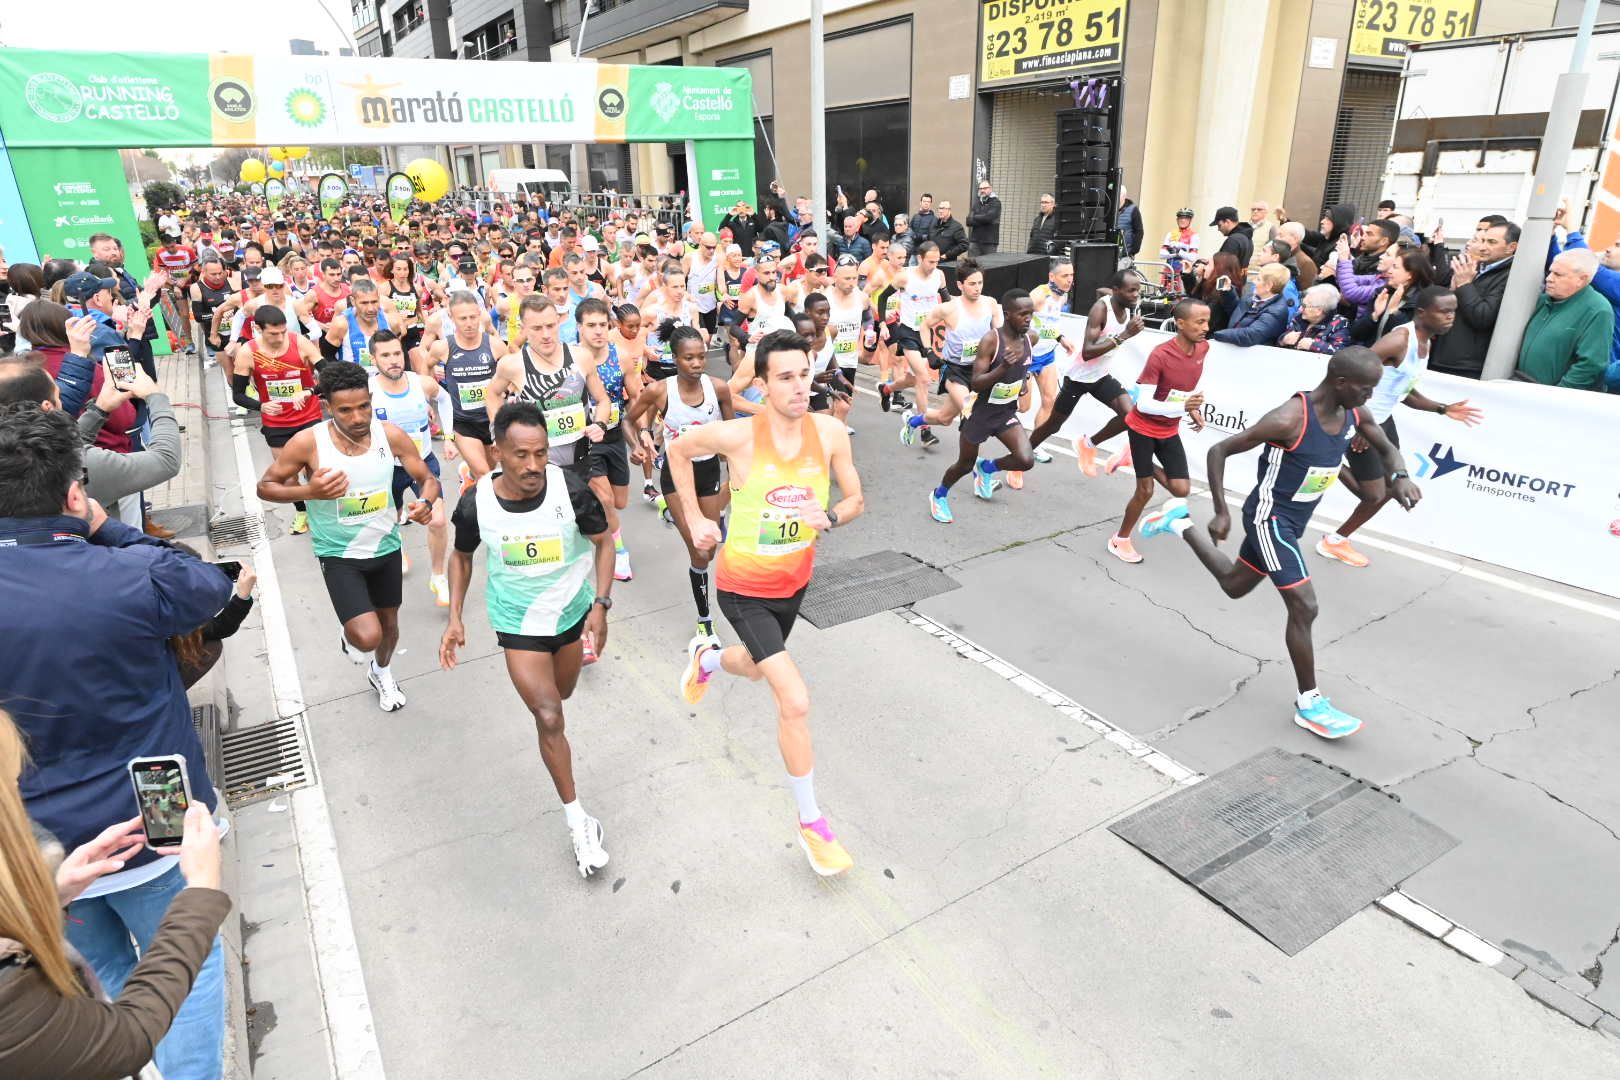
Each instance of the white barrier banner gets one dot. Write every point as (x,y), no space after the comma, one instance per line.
(1535,487)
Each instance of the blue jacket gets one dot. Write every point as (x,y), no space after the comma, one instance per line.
(1606,282)
(88,675)
(1260,322)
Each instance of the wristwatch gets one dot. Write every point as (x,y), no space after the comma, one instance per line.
(832,519)
(1441,409)
(1399,474)
(605,601)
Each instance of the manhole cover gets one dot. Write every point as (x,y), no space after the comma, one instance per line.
(264,760)
(1289,845)
(844,590)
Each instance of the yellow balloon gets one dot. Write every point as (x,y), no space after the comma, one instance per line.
(429,178)
(277,168)
(252,171)
(295,152)
(278,153)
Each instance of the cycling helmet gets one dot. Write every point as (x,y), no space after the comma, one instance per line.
(1185,211)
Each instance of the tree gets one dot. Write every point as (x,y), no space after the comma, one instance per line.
(149,152)
(333,157)
(228,165)
(160,195)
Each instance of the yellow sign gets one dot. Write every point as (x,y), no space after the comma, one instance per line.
(1384,28)
(1025,38)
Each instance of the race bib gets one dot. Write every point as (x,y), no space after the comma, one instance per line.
(283,389)
(706,289)
(782,532)
(1004,392)
(1316,481)
(471,394)
(359,505)
(565,420)
(531,553)
(1178,397)
(1049,329)
(970,349)
(613,415)
(365,361)
(422,439)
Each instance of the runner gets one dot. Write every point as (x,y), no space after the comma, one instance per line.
(609,460)
(1112,321)
(550,577)
(211,289)
(1050,300)
(465,365)
(358,318)
(920,288)
(1303,443)
(1166,389)
(966,320)
(524,279)
(851,313)
(543,371)
(882,285)
(666,307)
(402,398)
(1001,369)
(691,401)
(827,393)
(350,463)
(702,268)
(629,338)
(281,368)
(320,304)
(768,555)
(1404,352)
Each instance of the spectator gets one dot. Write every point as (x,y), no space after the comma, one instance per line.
(1568,338)
(1358,290)
(1606,280)
(1386,209)
(984,221)
(1336,222)
(876,220)
(1262,320)
(1262,229)
(55,1021)
(27,284)
(1406,272)
(82,381)
(1219,284)
(1317,326)
(96,296)
(1129,223)
(1239,242)
(850,241)
(92,683)
(922,222)
(1478,278)
(198,651)
(1043,233)
(1376,238)
(775,226)
(902,231)
(742,225)
(109,251)
(1300,262)
(947,233)
(1274,253)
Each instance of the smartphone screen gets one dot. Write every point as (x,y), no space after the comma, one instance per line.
(164,795)
(232,568)
(121,365)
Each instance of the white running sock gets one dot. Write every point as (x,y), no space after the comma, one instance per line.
(709,661)
(804,793)
(1308,698)
(1180,525)
(1335,538)
(573,814)
(379,669)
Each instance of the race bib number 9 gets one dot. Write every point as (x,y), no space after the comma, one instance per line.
(531,552)
(1316,482)
(471,394)
(359,505)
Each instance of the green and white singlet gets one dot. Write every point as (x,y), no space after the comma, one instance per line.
(539,562)
(360,523)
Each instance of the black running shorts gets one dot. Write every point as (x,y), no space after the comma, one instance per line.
(357,586)
(1171,454)
(762,623)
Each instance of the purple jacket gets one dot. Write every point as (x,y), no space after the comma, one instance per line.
(1357,289)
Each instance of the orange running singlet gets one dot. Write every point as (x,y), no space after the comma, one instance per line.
(769,550)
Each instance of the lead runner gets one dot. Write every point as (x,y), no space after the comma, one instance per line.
(780,461)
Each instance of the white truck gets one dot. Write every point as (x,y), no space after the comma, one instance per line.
(1468,131)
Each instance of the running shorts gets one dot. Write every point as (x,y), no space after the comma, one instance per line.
(1368,464)
(1038,364)
(660,370)
(1272,547)
(553,643)
(954,373)
(403,481)
(988,421)
(1171,454)
(277,437)
(473,427)
(705,474)
(762,623)
(612,460)
(905,339)
(1106,390)
(357,586)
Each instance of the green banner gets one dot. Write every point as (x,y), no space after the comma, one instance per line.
(332,191)
(70,195)
(670,104)
(105,99)
(274,191)
(722,174)
(401,193)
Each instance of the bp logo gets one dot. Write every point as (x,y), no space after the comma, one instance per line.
(306,108)
(665,102)
(53,97)
(232,100)
(611,103)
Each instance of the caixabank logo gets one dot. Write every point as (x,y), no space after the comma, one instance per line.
(1489,479)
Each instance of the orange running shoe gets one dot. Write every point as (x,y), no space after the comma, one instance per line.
(827,856)
(1087,455)
(1121,548)
(1119,461)
(1342,551)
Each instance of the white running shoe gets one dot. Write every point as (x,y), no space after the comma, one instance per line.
(389,696)
(621,566)
(588,853)
(354,655)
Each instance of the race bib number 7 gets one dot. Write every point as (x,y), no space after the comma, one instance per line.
(361,504)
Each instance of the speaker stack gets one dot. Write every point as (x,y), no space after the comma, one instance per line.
(1003,271)
(1087,188)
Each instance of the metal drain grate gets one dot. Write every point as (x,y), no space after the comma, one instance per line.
(237,529)
(264,760)
(844,590)
(205,718)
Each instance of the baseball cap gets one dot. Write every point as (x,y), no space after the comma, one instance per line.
(770,247)
(83,285)
(272,275)
(588,243)
(1225,213)
(251,273)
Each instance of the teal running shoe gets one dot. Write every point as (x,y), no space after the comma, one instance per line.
(1325,720)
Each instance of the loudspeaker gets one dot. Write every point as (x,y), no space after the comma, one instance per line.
(1072,159)
(1004,271)
(1094,268)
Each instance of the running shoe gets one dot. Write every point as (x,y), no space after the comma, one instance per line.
(621,566)
(587,651)
(694,680)
(1086,454)
(649,492)
(1042,457)
(300,524)
(1342,551)
(588,853)
(1119,461)
(1321,718)
(1160,520)
(1015,479)
(354,655)
(940,507)
(901,401)
(908,434)
(464,471)
(439,586)
(389,696)
(984,484)
(705,630)
(404,562)
(827,856)
(1122,549)
(926,434)
(885,397)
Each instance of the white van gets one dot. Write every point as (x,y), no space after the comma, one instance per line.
(535,183)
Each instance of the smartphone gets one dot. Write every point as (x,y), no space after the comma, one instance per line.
(121,365)
(163,793)
(1223,282)
(231,568)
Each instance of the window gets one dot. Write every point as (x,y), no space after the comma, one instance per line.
(559,157)
(493,40)
(609,164)
(764,143)
(408,18)
(869,146)
(363,13)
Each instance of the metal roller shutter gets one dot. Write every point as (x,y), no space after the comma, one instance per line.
(1023,157)
(1361,137)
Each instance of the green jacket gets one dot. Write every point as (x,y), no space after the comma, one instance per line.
(1567,341)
